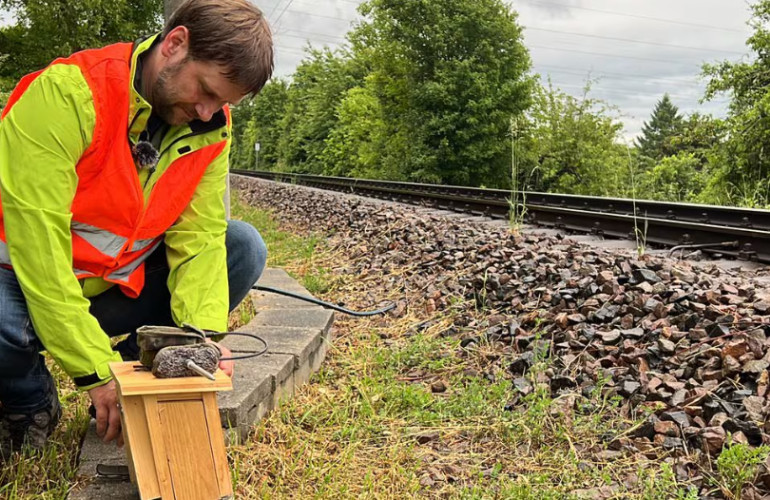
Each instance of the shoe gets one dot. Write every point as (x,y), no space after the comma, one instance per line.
(28,429)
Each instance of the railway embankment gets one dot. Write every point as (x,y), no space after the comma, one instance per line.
(682,349)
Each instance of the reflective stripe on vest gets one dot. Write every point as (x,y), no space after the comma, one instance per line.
(124,272)
(120,274)
(142,244)
(106,242)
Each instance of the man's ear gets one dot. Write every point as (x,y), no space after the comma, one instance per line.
(176,44)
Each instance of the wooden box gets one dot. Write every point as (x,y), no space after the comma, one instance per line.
(173,434)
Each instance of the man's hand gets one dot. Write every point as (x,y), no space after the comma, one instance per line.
(225,366)
(105,400)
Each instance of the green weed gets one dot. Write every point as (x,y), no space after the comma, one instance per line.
(737,467)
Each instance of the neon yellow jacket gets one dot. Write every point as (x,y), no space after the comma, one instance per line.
(41,141)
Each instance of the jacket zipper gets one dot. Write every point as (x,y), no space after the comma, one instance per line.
(130,242)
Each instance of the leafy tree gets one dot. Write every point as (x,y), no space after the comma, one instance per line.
(318,87)
(656,141)
(448,76)
(571,145)
(743,175)
(675,178)
(259,120)
(47,29)
(356,144)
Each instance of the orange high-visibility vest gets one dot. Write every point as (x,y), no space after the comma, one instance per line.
(113,232)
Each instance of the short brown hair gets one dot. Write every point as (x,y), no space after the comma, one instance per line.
(233,33)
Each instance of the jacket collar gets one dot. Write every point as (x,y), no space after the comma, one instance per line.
(139,109)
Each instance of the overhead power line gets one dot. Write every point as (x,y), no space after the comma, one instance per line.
(280,35)
(602,76)
(628,92)
(672,80)
(322,16)
(278,19)
(343,39)
(603,54)
(275,7)
(636,16)
(630,40)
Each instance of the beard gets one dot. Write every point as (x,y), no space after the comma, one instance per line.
(165,97)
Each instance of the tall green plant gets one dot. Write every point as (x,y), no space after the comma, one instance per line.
(447,76)
(658,135)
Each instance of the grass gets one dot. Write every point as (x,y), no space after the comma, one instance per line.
(286,249)
(400,410)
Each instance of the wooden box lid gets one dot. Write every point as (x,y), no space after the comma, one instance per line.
(134,382)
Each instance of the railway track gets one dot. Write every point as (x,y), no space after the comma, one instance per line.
(741,233)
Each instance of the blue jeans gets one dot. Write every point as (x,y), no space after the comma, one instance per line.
(24,379)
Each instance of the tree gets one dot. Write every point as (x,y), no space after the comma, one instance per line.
(356,144)
(744,173)
(675,178)
(47,29)
(258,120)
(448,76)
(571,145)
(658,135)
(318,87)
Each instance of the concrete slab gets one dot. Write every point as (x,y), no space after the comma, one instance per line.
(278,278)
(96,451)
(93,453)
(265,300)
(104,489)
(298,342)
(251,384)
(302,318)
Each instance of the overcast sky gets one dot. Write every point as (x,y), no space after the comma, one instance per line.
(636,49)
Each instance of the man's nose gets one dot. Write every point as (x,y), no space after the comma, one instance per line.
(206,110)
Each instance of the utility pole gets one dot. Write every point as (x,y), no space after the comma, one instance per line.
(169,6)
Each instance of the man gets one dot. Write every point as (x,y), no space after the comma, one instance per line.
(113,165)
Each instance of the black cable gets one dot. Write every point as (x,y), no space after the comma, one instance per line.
(322,303)
(244,356)
(209,334)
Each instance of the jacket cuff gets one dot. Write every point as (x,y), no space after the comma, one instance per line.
(101,376)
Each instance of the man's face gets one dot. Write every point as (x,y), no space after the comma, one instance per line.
(190,90)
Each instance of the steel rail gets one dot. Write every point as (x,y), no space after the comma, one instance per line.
(669,224)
